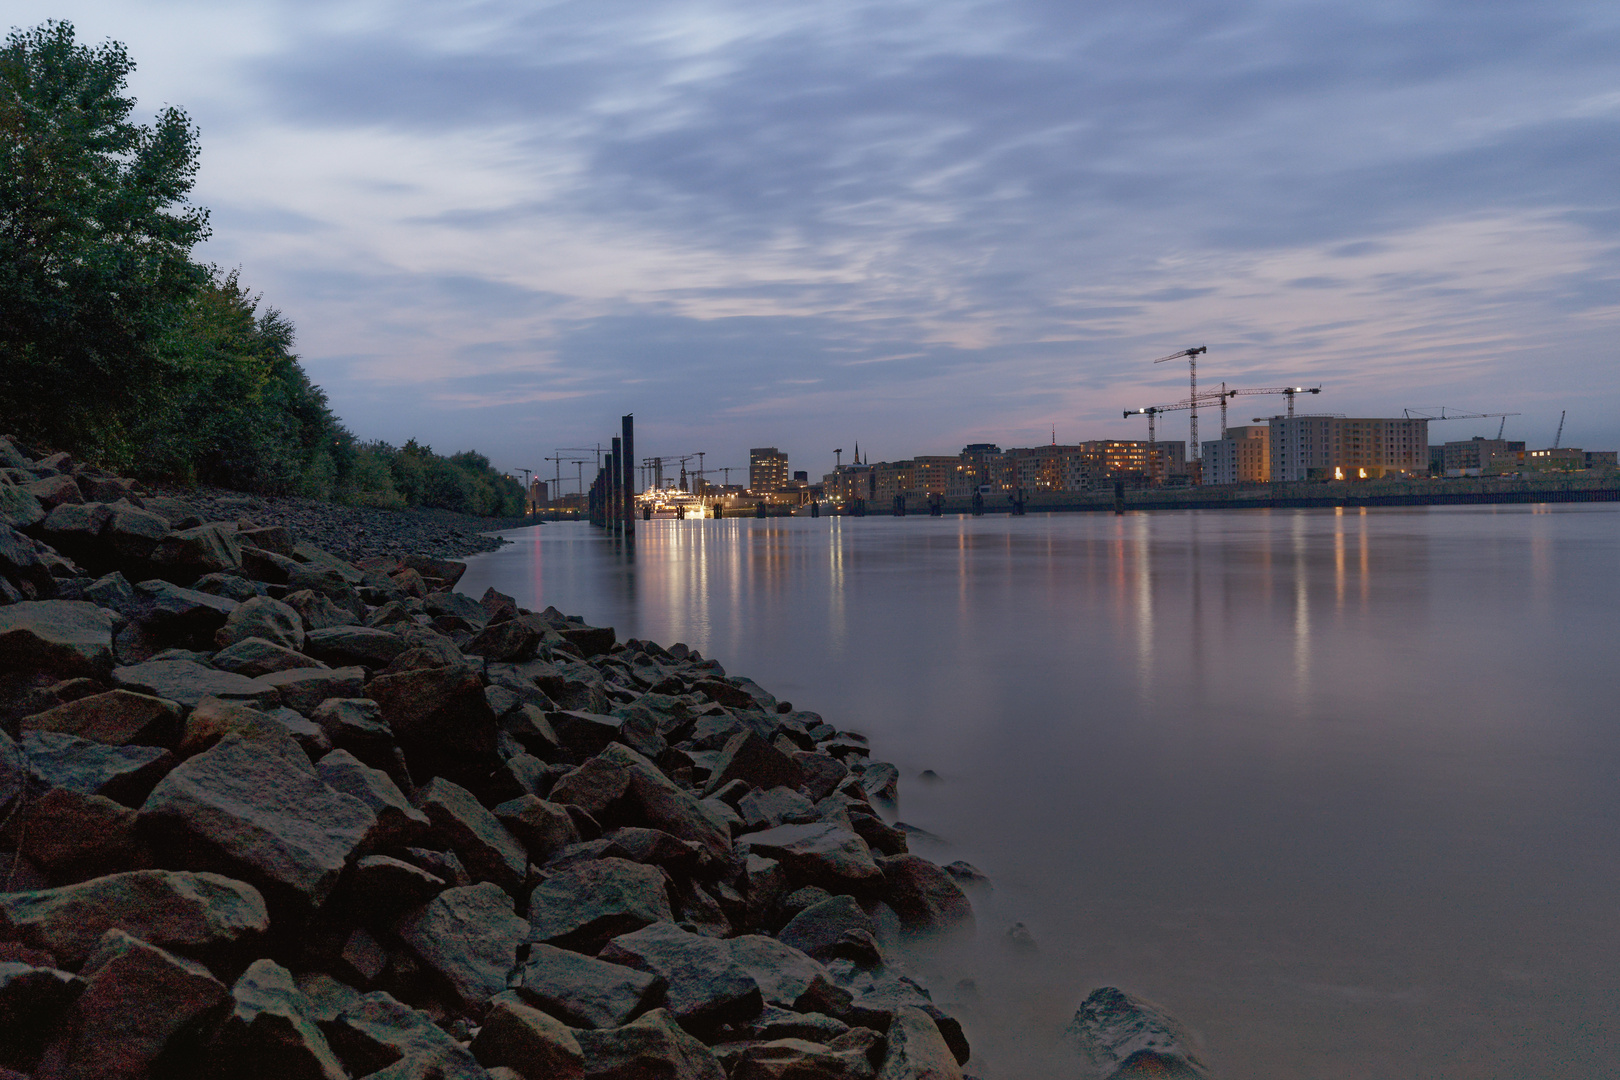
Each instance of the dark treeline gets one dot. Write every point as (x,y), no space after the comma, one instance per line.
(119,347)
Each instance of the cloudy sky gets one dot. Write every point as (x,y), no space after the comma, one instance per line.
(914,225)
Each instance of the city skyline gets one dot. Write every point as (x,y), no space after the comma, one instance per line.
(926,225)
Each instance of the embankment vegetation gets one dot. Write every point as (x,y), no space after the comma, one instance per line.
(119,346)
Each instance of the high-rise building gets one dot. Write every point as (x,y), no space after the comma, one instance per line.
(1347,448)
(767,469)
(1242,456)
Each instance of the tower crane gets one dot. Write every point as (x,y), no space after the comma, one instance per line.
(561,458)
(1426,412)
(1558,438)
(1192,355)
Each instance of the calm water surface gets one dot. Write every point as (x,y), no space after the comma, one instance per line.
(1341,789)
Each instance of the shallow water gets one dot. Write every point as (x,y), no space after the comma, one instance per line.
(1341,789)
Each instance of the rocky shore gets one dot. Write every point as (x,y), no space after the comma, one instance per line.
(273,808)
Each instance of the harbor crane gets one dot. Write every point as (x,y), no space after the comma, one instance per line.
(1192,355)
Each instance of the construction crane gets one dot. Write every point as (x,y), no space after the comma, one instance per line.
(560,459)
(1558,438)
(1192,355)
(1429,412)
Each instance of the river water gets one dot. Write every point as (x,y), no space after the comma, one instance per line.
(1341,789)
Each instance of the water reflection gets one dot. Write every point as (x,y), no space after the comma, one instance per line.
(1337,786)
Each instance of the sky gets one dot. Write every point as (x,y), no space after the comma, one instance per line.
(500,226)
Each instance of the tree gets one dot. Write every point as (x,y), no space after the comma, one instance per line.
(95,241)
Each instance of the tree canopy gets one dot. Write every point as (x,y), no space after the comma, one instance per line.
(117,345)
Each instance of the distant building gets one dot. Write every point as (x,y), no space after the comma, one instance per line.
(1479,455)
(538,491)
(1242,456)
(1595,458)
(802,475)
(979,465)
(1560,459)
(767,469)
(1347,448)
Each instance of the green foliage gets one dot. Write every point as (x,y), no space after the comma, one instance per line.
(95,239)
(117,346)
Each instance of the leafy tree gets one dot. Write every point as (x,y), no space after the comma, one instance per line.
(95,240)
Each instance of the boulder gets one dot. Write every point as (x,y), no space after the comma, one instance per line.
(470,937)
(881,781)
(173,909)
(778,806)
(304,689)
(665,805)
(216,718)
(249,808)
(1123,1036)
(528,1041)
(141,1006)
(116,718)
(441,720)
(187,555)
(448,571)
(22,562)
(262,617)
(748,757)
(254,656)
(124,774)
(318,612)
(455,605)
(351,645)
(75,836)
(382,885)
(274,538)
(924,896)
(818,854)
(652,1046)
(916,1050)
(32,1000)
(593,787)
(131,535)
(269,1034)
(69,638)
(399,824)
(782,972)
(803,1059)
(584,992)
(379,1035)
(541,826)
(832,928)
(586,905)
(188,682)
(584,733)
(504,641)
(822,772)
(704,986)
(490,852)
(176,611)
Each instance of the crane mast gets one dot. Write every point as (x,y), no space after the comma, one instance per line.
(1192,355)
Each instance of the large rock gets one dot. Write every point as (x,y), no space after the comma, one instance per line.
(250,809)
(704,986)
(269,1034)
(351,645)
(21,562)
(748,757)
(593,787)
(124,774)
(470,936)
(584,992)
(666,805)
(399,824)
(304,689)
(187,555)
(139,1016)
(818,854)
(831,928)
(782,972)
(174,909)
(588,904)
(75,836)
(1123,1036)
(32,1000)
(916,1050)
(382,885)
(448,571)
(541,826)
(318,611)
(191,613)
(527,1041)
(924,896)
(845,1058)
(490,852)
(264,618)
(653,1046)
(116,718)
(131,535)
(442,721)
(254,656)
(504,641)
(69,638)
(188,682)
(381,1038)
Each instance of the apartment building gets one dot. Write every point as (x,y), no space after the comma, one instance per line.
(1242,456)
(1347,448)
(767,469)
